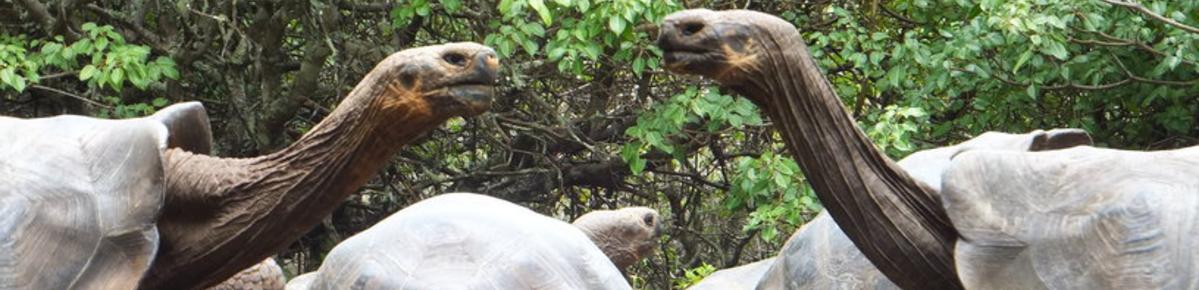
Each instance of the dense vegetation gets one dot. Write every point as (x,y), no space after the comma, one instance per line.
(586,118)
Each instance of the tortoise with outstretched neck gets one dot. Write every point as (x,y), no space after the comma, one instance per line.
(1077,218)
(820,256)
(118,204)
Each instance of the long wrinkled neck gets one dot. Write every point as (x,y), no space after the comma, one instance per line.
(894,220)
(224,215)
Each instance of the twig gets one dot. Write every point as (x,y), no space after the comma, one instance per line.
(77,97)
(1137,7)
(898,16)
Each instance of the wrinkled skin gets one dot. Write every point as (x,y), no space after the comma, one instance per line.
(223,215)
(467,241)
(266,275)
(896,221)
(625,235)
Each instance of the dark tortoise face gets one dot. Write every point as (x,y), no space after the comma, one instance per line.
(723,45)
(454,79)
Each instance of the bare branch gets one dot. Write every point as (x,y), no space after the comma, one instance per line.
(41,15)
(64,93)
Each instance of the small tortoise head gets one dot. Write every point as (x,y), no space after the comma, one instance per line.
(456,79)
(625,235)
(728,46)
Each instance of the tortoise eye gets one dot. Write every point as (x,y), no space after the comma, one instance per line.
(648,219)
(692,28)
(454,58)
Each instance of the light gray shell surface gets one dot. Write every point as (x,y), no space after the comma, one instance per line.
(1081,218)
(468,241)
(301,282)
(820,256)
(740,277)
(78,201)
(79,196)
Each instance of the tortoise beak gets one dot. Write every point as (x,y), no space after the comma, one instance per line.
(476,89)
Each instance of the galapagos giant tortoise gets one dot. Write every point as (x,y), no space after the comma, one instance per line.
(472,241)
(820,256)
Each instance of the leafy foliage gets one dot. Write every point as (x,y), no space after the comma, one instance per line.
(693,276)
(107,62)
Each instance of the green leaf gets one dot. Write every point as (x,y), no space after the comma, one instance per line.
(544,12)
(170,72)
(18,84)
(637,165)
(530,46)
(1023,58)
(451,5)
(505,6)
(101,43)
(616,24)
(7,76)
(534,29)
(556,53)
(1056,49)
(159,102)
(117,75)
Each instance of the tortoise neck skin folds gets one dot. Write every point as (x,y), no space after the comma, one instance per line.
(223,214)
(897,222)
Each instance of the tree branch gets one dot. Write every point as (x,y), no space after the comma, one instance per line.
(40,14)
(64,93)
(1137,7)
(151,38)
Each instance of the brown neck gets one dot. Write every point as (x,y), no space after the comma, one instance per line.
(894,220)
(223,215)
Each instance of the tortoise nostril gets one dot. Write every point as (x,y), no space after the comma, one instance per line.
(690,28)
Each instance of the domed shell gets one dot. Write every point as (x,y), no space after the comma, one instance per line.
(80,196)
(468,241)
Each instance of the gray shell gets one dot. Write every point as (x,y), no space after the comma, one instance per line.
(301,282)
(468,241)
(79,198)
(1082,218)
(820,256)
(740,277)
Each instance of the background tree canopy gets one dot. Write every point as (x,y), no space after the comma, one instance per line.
(587,119)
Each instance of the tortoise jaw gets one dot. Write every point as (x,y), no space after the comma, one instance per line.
(474,98)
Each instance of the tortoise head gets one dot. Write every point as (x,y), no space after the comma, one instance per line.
(730,46)
(625,235)
(456,79)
